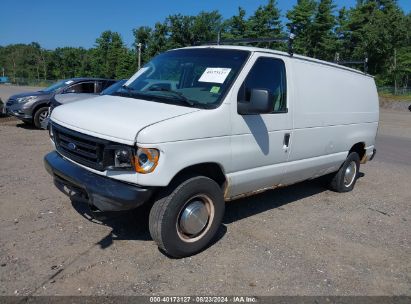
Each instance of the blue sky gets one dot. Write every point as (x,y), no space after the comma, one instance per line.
(55,23)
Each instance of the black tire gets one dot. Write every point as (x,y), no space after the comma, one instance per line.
(344,179)
(39,115)
(166,216)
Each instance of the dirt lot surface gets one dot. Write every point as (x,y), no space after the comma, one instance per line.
(300,240)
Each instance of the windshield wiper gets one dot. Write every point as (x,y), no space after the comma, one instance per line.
(133,93)
(127,88)
(175,93)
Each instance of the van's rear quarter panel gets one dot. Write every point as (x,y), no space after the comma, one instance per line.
(333,109)
(326,95)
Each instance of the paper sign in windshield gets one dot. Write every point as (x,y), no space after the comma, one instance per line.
(215,75)
(69,81)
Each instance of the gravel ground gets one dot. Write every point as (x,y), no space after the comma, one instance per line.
(300,240)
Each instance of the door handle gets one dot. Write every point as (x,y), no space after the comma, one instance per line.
(286,141)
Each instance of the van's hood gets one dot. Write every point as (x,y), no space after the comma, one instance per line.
(115,118)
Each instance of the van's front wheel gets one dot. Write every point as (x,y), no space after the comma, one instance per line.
(345,178)
(184,219)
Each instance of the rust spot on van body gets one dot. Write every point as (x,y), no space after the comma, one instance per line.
(247,194)
(226,187)
(364,159)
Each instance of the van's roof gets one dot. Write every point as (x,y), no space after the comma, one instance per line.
(285,54)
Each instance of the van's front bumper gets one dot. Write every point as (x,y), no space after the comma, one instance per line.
(103,193)
(374,151)
(369,154)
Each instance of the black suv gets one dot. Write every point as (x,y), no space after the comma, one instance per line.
(33,107)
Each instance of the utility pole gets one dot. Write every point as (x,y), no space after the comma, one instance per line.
(139,54)
(3,70)
(337,57)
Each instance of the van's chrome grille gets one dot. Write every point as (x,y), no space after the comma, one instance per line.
(84,149)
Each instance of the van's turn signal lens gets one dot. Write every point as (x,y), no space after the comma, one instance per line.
(146,160)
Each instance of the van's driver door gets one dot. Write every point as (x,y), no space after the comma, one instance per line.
(260,143)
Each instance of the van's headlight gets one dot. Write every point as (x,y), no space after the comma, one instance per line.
(141,160)
(123,158)
(146,160)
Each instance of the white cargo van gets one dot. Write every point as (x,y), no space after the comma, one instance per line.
(199,126)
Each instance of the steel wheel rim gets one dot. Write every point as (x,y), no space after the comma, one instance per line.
(195,218)
(350,173)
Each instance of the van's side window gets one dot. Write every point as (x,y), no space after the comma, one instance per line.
(267,74)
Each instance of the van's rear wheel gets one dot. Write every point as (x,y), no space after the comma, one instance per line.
(345,178)
(185,219)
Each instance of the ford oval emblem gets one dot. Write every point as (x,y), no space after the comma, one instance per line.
(72,146)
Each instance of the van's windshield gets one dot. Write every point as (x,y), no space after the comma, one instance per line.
(189,77)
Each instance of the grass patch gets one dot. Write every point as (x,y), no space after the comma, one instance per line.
(392,97)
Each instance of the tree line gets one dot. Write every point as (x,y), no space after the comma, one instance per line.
(375,29)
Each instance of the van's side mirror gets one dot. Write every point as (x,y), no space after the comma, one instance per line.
(261,102)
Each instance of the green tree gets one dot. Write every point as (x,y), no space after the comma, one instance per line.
(86,69)
(126,66)
(206,26)
(191,30)
(341,32)
(14,63)
(110,52)
(402,74)
(301,16)
(236,27)
(24,61)
(158,41)
(376,29)
(66,62)
(266,23)
(180,29)
(323,38)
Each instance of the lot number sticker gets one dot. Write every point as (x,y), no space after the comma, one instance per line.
(215,75)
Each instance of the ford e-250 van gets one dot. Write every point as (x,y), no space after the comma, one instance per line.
(199,126)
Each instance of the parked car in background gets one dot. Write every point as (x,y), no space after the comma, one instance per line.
(33,107)
(2,108)
(60,99)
